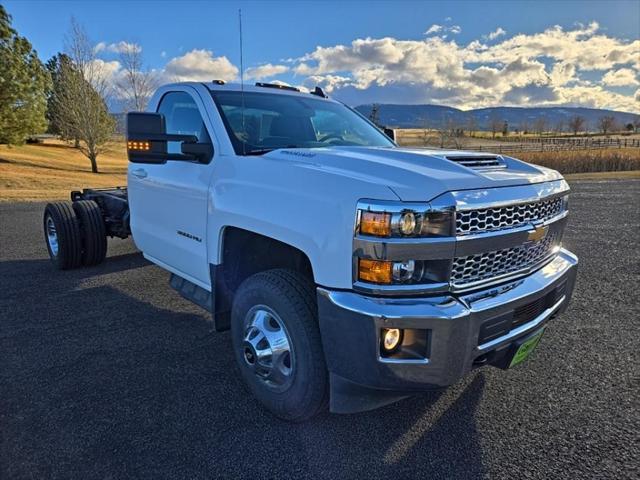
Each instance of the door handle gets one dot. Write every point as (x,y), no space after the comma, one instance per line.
(140,173)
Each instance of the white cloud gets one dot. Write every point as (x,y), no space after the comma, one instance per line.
(455,29)
(562,73)
(623,77)
(265,71)
(120,47)
(102,74)
(434,29)
(327,82)
(543,68)
(200,66)
(553,67)
(496,33)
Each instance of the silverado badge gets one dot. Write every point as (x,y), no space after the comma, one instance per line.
(538,233)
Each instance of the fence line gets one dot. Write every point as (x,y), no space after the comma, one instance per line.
(552,144)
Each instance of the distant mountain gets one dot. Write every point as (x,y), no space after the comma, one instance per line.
(435,116)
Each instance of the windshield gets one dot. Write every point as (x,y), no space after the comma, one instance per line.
(274,121)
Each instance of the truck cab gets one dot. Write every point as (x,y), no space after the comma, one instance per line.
(350,271)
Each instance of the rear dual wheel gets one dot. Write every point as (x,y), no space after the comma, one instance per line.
(62,235)
(74,234)
(94,236)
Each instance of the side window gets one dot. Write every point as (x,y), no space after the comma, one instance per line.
(183,117)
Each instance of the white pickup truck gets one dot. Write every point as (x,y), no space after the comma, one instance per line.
(350,271)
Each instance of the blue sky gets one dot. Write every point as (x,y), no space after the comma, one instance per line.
(466,54)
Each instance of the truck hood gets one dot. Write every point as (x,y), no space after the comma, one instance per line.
(415,174)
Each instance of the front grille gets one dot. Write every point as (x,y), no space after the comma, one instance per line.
(503,324)
(482,266)
(526,313)
(512,216)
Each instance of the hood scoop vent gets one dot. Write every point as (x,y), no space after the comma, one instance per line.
(478,162)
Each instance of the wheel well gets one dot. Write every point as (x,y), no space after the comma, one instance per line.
(245,253)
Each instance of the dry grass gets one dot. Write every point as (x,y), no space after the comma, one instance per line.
(632,174)
(51,170)
(579,161)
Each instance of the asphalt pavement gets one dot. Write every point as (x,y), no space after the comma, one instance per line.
(105,372)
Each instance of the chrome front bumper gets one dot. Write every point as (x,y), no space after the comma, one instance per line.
(456,327)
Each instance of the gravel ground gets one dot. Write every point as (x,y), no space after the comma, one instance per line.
(105,372)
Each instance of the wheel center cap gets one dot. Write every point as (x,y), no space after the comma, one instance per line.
(266,349)
(249,355)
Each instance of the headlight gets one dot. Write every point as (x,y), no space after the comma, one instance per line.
(407,223)
(406,272)
(404,223)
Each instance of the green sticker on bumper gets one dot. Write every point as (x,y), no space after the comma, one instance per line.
(525,349)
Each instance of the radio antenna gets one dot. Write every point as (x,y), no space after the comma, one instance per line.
(244,131)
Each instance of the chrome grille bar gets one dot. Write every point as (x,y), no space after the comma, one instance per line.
(510,216)
(483,266)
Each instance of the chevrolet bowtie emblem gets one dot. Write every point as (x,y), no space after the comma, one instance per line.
(538,234)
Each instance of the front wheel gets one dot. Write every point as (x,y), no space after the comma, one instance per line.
(277,344)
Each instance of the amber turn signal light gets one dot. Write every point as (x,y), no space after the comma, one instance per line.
(375,271)
(138,145)
(375,223)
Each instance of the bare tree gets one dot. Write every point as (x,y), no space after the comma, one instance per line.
(606,124)
(450,134)
(426,133)
(137,84)
(559,126)
(472,125)
(81,98)
(505,128)
(540,125)
(495,125)
(636,123)
(576,123)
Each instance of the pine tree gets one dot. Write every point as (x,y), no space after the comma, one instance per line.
(24,83)
(57,125)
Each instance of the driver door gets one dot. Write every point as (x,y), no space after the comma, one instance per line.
(168,201)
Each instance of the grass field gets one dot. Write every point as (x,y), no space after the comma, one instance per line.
(51,170)
(583,161)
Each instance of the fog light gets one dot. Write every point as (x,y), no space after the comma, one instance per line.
(391,339)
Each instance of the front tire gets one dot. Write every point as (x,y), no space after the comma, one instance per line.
(62,235)
(276,341)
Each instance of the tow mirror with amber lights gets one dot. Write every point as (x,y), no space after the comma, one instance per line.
(147,141)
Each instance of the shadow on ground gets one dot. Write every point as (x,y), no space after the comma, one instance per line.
(100,380)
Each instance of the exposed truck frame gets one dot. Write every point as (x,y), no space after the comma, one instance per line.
(349,273)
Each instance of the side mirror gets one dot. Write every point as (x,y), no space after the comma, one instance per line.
(201,151)
(147,141)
